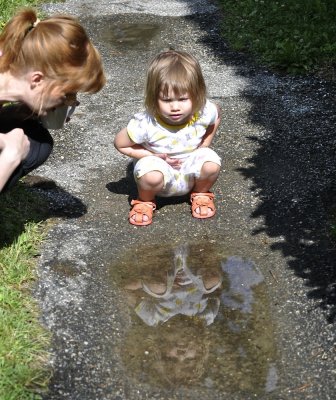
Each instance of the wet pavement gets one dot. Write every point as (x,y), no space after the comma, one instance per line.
(241,306)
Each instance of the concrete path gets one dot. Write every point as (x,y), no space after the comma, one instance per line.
(275,200)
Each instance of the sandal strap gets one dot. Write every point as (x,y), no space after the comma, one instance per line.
(210,195)
(145,203)
(139,209)
(204,202)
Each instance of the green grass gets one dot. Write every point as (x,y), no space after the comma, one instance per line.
(295,36)
(8,8)
(23,341)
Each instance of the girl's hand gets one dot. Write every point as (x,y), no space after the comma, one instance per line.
(125,145)
(173,162)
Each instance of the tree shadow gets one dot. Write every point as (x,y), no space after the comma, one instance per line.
(293,168)
(34,200)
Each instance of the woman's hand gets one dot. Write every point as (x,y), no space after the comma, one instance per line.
(14,147)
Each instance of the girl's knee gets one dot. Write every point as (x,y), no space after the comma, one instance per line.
(210,168)
(151,179)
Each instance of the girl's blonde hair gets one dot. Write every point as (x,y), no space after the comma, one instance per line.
(57,46)
(178,71)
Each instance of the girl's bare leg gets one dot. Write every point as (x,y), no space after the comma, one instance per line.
(149,185)
(208,176)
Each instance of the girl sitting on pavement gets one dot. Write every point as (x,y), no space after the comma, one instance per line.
(43,64)
(170,140)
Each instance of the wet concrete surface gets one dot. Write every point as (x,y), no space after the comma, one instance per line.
(272,332)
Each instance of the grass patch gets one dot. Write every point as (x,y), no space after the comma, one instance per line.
(9,7)
(296,36)
(23,341)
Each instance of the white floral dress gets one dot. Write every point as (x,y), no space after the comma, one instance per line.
(177,141)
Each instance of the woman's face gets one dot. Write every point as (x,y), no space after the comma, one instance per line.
(48,99)
(41,95)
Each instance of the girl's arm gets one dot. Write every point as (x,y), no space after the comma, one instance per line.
(211,130)
(125,145)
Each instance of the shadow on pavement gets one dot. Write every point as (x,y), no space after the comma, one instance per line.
(125,185)
(293,169)
(37,199)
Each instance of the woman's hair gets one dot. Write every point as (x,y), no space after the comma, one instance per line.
(57,46)
(178,71)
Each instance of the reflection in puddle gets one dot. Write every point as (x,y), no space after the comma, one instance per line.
(183,293)
(200,318)
(128,35)
(65,269)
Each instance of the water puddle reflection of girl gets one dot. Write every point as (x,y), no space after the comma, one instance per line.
(200,319)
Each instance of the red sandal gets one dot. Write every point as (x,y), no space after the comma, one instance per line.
(204,202)
(139,209)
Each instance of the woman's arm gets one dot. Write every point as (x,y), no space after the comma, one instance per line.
(14,147)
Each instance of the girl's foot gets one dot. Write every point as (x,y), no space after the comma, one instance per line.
(141,212)
(202,205)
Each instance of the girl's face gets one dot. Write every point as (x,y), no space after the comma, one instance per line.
(175,109)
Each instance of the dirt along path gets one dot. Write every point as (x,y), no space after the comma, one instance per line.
(264,266)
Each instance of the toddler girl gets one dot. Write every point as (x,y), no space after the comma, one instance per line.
(170,140)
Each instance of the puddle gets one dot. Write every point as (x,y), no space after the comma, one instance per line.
(128,35)
(65,269)
(200,318)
